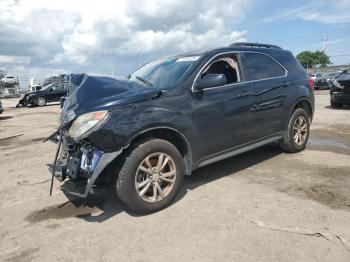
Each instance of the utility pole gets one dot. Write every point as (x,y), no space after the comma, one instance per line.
(325,43)
(140,58)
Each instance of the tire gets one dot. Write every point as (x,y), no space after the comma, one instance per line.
(289,143)
(336,105)
(131,176)
(40,101)
(19,105)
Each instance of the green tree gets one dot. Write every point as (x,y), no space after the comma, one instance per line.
(311,59)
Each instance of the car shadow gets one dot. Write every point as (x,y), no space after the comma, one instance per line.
(109,205)
(344,107)
(5,117)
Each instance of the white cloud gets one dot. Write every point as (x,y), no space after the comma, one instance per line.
(323,11)
(21,60)
(88,35)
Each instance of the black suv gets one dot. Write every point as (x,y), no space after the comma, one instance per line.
(50,93)
(177,114)
(340,90)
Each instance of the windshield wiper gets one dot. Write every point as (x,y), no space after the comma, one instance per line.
(144,81)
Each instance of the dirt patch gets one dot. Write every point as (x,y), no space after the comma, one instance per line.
(24,255)
(53,226)
(16,141)
(66,210)
(36,113)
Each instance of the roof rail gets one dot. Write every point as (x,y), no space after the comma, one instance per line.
(255,45)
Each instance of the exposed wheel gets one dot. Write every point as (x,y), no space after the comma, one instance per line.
(297,132)
(40,101)
(151,176)
(336,105)
(19,105)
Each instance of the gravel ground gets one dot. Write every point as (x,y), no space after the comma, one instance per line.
(263,205)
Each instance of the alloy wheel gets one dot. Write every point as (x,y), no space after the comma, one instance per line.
(300,130)
(41,101)
(155,177)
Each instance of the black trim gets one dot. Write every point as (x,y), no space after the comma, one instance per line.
(240,149)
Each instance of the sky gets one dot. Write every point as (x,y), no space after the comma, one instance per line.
(39,38)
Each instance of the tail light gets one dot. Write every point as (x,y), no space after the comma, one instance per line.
(311,84)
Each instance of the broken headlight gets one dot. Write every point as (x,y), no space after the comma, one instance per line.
(86,123)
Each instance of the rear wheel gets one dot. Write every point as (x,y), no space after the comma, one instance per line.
(40,101)
(336,105)
(151,176)
(297,133)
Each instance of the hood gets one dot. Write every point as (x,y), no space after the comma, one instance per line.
(33,93)
(89,93)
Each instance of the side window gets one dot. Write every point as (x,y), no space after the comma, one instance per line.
(57,87)
(259,66)
(227,66)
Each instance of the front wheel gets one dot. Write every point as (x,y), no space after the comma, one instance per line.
(297,133)
(336,105)
(40,101)
(151,176)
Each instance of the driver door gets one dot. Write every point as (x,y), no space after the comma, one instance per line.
(56,92)
(223,114)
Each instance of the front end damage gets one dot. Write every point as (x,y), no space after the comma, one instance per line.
(78,162)
(86,138)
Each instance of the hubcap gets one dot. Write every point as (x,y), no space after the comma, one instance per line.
(155,177)
(300,130)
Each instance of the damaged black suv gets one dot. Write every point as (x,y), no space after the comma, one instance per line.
(177,114)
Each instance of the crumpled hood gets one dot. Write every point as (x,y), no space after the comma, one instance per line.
(33,93)
(92,93)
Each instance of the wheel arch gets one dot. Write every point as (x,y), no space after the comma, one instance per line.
(305,104)
(171,135)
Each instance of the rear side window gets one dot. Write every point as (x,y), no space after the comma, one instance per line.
(259,66)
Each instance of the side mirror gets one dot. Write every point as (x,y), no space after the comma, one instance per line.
(211,80)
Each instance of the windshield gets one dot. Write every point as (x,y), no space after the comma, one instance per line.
(47,87)
(344,76)
(164,73)
(331,74)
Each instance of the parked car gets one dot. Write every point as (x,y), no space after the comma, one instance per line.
(340,90)
(314,76)
(1,108)
(9,80)
(49,93)
(36,87)
(325,81)
(177,114)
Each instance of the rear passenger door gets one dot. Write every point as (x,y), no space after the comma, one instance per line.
(269,85)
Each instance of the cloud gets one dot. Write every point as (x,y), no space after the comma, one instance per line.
(323,11)
(105,35)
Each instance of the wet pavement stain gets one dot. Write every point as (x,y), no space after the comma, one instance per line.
(66,210)
(324,185)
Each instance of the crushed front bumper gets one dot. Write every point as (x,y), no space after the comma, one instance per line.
(86,165)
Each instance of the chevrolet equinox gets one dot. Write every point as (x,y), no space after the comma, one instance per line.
(177,114)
